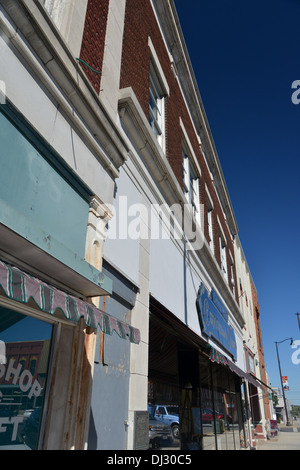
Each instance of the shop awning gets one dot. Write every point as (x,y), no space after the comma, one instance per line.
(21,287)
(262,384)
(216,356)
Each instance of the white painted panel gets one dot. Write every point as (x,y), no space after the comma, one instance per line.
(120,249)
(174,283)
(167,276)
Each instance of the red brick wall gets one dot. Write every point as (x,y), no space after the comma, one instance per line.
(23,350)
(93,41)
(140,23)
(256,313)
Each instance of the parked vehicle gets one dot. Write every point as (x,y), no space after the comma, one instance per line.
(168,414)
(159,432)
(208,416)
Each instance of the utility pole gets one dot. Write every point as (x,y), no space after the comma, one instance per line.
(282,388)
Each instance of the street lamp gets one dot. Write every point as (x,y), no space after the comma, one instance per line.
(298,315)
(279,342)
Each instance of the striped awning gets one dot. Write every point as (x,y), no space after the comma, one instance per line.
(219,358)
(21,287)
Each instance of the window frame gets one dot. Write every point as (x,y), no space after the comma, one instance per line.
(210,229)
(223,256)
(156,106)
(31,312)
(210,208)
(191,182)
(158,90)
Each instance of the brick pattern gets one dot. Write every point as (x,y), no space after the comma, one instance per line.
(261,358)
(93,42)
(140,23)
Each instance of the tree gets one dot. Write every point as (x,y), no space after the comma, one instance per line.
(295,410)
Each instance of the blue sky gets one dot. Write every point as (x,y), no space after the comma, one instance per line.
(245,56)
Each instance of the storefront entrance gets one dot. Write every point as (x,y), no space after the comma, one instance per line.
(188,391)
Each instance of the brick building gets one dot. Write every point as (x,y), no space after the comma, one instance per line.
(132,257)
(262,373)
(258,398)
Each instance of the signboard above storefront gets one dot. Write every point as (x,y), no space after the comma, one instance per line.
(213,323)
(219,304)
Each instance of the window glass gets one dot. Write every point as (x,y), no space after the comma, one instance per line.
(223,417)
(223,257)
(156,106)
(226,408)
(210,229)
(191,183)
(227,398)
(24,356)
(207,406)
(222,420)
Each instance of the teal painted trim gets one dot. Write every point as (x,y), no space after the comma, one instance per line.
(35,234)
(48,152)
(66,256)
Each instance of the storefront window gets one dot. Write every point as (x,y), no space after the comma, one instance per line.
(24,357)
(207,406)
(223,409)
(228,412)
(221,413)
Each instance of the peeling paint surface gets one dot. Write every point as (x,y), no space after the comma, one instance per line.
(36,201)
(110,395)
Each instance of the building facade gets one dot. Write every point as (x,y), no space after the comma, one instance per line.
(60,155)
(258,397)
(118,235)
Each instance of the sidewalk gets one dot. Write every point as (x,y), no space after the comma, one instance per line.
(287,439)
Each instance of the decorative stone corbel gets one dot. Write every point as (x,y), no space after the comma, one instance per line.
(99,215)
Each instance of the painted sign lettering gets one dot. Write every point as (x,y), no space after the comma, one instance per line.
(27,384)
(24,378)
(213,323)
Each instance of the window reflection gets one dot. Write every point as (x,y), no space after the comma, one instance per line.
(23,374)
(227,400)
(207,406)
(222,420)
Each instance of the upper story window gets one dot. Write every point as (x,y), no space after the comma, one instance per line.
(223,256)
(232,275)
(210,208)
(158,90)
(191,183)
(156,106)
(250,364)
(232,279)
(210,229)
